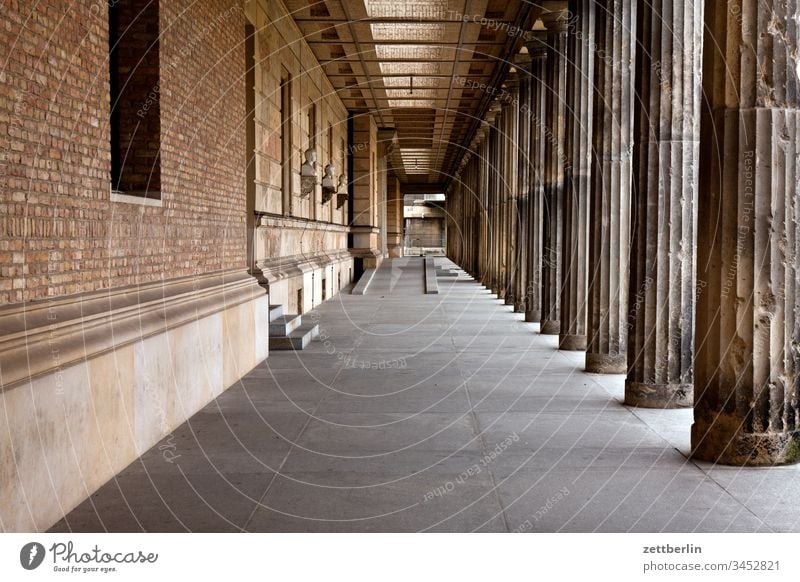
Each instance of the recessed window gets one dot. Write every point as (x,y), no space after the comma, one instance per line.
(286,141)
(312,125)
(135,128)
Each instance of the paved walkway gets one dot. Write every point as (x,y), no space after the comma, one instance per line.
(438,413)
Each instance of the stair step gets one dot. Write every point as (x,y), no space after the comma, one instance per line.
(297,340)
(275,311)
(284,325)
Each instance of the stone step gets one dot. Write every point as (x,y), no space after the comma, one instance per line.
(431,287)
(275,311)
(297,340)
(284,325)
(360,288)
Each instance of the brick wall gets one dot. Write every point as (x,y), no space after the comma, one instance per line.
(60,233)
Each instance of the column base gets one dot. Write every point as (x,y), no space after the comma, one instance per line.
(550,327)
(723,441)
(647,395)
(519,307)
(572,343)
(606,363)
(534,316)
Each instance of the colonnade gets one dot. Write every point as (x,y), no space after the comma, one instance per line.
(634,190)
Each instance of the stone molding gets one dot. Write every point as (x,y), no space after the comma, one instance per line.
(44,337)
(270,221)
(271,271)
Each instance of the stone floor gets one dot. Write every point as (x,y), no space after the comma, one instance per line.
(432,413)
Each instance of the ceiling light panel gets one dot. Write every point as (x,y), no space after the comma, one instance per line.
(415,32)
(421,82)
(429,52)
(416,103)
(401,68)
(416,93)
(411,10)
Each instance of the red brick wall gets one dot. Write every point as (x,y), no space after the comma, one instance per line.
(59,231)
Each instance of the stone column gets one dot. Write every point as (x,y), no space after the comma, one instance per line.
(488,177)
(502,189)
(574,260)
(492,206)
(366,198)
(664,216)
(494,192)
(552,234)
(609,222)
(537,49)
(523,140)
(748,325)
(483,192)
(510,173)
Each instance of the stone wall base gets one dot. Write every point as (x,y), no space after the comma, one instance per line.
(90,408)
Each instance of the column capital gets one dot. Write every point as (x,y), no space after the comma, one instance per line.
(522,61)
(511,83)
(556,21)
(536,43)
(494,109)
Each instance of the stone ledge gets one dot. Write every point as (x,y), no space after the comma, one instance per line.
(274,270)
(46,336)
(272,221)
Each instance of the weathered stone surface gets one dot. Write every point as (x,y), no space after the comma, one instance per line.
(574,266)
(523,63)
(554,154)
(533,294)
(494,203)
(667,129)
(746,382)
(609,224)
(510,183)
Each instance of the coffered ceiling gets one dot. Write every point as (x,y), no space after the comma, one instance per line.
(417,66)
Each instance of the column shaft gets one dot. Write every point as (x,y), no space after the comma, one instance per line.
(523,175)
(609,222)
(574,266)
(667,130)
(552,235)
(746,381)
(533,295)
(511,181)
